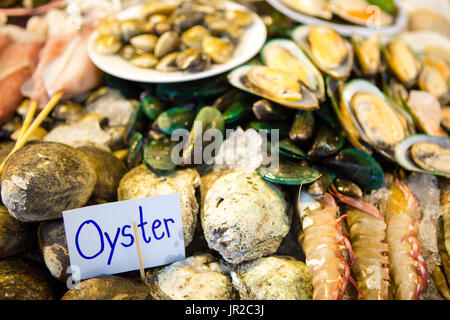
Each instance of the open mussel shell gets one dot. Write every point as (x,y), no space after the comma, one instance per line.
(328,50)
(373,116)
(368,54)
(285,55)
(361,12)
(402,61)
(289,173)
(308,101)
(432,153)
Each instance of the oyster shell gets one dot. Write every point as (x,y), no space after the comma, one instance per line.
(140,183)
(273,278)
(199,277)
(243,216)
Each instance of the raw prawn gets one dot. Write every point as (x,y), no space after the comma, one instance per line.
(324,244)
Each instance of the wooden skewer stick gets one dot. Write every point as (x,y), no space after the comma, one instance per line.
(27,121)
(36,123)
(138,248)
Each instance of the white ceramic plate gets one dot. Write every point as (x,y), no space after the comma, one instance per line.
(251,43)
(345,29)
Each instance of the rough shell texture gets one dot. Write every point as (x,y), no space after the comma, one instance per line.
(244,217)
(53,244)
(273,278)
(109,288)
(43,179)
(22,281)
(140,183)
(199,277)
(15,236)
(109,171)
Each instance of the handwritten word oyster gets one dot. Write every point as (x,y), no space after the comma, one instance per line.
(244,217)
(200,277)
(141,183)
(43,179)
(273,278)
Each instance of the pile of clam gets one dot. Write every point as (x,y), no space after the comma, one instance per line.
(175,36)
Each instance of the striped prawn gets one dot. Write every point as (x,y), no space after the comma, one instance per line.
(325,246)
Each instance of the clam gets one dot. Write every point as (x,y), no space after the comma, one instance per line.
(145,61)
(239,17)
(168,63)
(317,42)
(193,60)
(109,26)
(167,43)
(218,49)
(144,42)
(368,54)
(194,36)
(154,7)
(107,44)
(360,12)
(316,8)
(275,85)
(425,154)
(426,112)
(285,55)
(403,62)
(375,119)
(130,28)
(128,52)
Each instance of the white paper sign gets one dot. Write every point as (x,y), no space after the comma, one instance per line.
(101,239)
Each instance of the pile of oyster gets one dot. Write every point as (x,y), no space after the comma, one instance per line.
(175,36)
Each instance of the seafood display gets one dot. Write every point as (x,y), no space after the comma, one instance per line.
(174,35)
(318,170)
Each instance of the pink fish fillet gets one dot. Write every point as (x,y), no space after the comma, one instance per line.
(53,48)
(17,63)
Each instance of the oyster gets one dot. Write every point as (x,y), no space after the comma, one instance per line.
(316,8)
(403,62)
(243,216)
(425,154)
(199,277)
(426,112)
(317,40)
(360,12)
(140,183)
(275,85)
(108,288)
(43,179)
(285,55)
(273,278)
